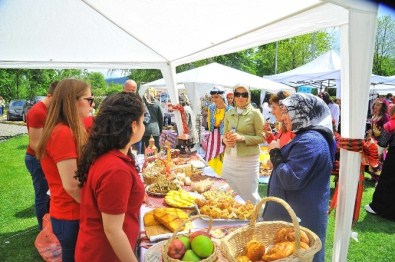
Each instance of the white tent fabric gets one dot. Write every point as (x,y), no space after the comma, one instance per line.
(326,66)
(126,34)
(325,69)
(382,89)
(200,80)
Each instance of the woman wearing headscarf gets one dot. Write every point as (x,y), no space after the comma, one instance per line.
(243,134)
(154,126)
(302,168)
(215,116)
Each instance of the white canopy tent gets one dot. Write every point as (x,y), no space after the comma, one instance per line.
(323,71)
(198,81)
(127,34)
(382,89)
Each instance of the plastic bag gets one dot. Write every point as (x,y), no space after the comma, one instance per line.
(47,244)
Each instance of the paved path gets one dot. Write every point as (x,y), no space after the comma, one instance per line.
(10,130)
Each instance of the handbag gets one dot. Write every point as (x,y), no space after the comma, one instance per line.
(47,243)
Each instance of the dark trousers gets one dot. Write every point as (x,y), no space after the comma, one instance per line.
(41,199)
(383,202)
(66,231)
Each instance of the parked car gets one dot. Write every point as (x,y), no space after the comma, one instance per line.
(15,109)
(29,103)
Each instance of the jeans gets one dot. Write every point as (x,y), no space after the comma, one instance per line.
(66,231)
(41,199)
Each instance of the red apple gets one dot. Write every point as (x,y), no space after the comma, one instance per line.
(198,233)
(176,249)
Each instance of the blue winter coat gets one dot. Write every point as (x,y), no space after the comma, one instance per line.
(303,182)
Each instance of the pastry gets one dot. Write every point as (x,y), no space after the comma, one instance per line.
(243,259)
(282,250)
(149,219)
(288,234)
(255,250)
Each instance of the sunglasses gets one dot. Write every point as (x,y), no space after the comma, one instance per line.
(89,99)
(216,92)
(244,94)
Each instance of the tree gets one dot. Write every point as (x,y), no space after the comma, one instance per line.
(384,50)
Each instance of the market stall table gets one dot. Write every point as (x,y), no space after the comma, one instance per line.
(153,202)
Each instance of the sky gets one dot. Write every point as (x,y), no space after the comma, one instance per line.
(382,11)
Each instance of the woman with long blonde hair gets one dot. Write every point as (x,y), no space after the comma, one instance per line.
(60,145)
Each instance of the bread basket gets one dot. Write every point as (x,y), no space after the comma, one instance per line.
(233,244)
(165,256)
(151,174)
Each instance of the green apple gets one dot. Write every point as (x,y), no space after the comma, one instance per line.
(185,240)
(190,256)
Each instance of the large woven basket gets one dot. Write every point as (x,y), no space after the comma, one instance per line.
(233,245)
(165,248)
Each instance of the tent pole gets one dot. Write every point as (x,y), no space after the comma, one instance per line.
(357,48)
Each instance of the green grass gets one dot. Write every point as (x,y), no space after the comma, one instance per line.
(18,222)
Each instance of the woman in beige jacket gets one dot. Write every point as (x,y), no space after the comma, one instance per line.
(243,134)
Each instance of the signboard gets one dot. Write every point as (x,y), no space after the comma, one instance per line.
(305,89)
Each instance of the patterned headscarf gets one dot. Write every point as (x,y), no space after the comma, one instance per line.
(306,111)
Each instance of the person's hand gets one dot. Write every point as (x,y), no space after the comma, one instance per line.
(229,142)
(238,137)
(274,144)
(266,127)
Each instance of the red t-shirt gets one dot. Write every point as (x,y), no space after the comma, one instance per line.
(35,119)
(88,123)
(113,187)
(61,146)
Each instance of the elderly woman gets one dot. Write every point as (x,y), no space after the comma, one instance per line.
(243,134)
(301,168)
(215,117)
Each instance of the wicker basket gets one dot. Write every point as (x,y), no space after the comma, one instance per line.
(151,178)
(233,245)
(165,248)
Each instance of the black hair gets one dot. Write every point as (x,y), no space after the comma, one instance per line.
(112,129)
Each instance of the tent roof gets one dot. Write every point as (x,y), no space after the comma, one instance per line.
(218,74)
(149,33)
(326,66)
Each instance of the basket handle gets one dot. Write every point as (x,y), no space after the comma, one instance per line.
(152,159)
(290,212)
(210,225)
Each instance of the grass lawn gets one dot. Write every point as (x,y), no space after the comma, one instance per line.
(18,223)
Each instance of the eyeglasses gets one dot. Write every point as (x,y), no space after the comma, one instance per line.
(89,99)
(244,94)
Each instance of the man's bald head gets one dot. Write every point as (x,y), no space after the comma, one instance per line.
(130,86)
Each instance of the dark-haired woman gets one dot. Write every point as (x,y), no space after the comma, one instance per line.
(112,191)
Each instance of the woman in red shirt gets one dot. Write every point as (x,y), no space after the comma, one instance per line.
(59,147)
(112,191)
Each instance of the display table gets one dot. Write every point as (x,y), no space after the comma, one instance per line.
(153,202)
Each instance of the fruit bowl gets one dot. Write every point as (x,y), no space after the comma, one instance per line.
(200,246)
